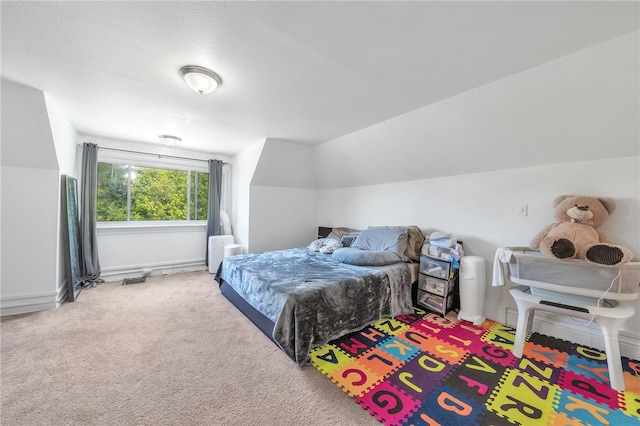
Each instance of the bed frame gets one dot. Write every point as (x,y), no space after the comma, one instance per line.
(255,316)
(262,322)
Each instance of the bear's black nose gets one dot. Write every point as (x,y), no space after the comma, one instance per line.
(583,208)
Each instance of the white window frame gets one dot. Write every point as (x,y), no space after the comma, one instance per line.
(162,162)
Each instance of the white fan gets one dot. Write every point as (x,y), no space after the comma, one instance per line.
(225,223)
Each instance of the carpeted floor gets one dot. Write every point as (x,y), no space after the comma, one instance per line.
(423,369)
(174,351)
(171,351)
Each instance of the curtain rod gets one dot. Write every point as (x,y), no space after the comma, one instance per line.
(158,155)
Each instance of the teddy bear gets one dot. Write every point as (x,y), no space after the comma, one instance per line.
(575,235)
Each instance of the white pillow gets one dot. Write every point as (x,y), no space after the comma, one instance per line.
(325,245)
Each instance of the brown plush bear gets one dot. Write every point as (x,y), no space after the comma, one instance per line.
(575,235)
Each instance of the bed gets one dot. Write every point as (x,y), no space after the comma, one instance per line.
(302,298)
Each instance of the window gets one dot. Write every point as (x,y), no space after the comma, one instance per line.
(134,193)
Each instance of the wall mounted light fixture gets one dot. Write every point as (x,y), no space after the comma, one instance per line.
(200,79)
(169,140)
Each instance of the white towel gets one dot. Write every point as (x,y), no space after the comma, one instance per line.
(502,255)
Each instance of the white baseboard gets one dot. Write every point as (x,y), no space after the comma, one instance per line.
(14,305)
(119,273)
(61,294)
(494,311)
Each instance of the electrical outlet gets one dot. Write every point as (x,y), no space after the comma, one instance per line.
(522,210)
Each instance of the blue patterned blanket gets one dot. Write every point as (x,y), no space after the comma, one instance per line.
(312,299)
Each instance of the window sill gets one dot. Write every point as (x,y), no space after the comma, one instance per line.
(105,228)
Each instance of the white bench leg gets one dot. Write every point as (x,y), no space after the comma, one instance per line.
(521,328)
(610,328)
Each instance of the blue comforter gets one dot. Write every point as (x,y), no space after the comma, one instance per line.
(312,299)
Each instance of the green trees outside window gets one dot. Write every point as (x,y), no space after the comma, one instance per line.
(112,192)
(199,195)
(132,193)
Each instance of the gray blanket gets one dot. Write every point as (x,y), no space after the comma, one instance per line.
(313,299)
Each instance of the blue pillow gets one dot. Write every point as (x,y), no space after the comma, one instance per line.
(359,257)
(347,240)
(393,240)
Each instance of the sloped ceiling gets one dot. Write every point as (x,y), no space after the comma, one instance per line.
(304,72)
(27,141)
(581,107)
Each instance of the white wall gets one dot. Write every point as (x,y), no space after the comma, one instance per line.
(282,211)
(282,217)
(244,165)
(65,139)
(274,196)
(29,239)
(30,200)
(156,248)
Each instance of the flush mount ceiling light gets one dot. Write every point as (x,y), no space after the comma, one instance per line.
(169,140)
(200,79)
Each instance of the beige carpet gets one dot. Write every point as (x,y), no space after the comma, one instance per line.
(171,351)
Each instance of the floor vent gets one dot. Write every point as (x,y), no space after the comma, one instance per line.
(134,280)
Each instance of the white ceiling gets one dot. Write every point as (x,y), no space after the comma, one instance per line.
(304,72)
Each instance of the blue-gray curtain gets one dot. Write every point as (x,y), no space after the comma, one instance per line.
(89,199)
(214,195)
